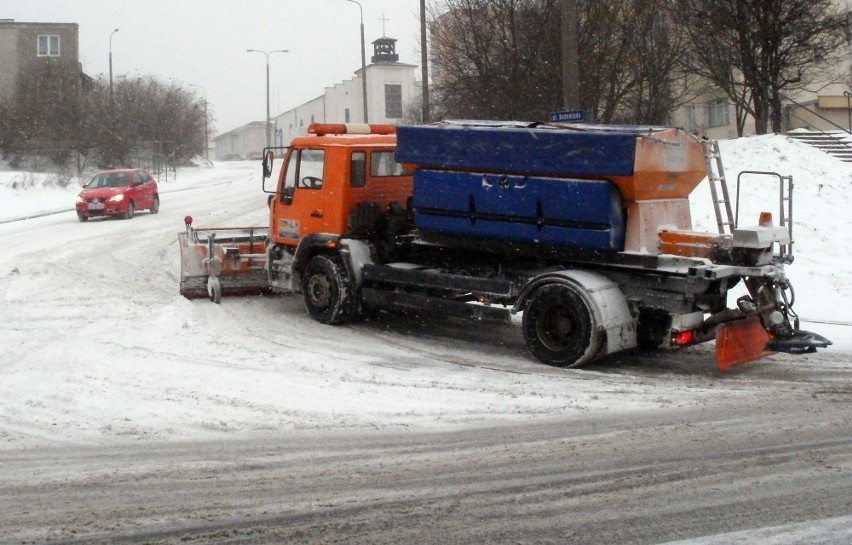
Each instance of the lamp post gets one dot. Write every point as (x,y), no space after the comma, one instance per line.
(206,137)
(110,63)
(363,61)
(424,62)
(268,118)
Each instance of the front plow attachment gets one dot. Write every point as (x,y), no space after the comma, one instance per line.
(223,261)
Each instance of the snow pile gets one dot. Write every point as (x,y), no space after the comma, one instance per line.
(96,345)
(822,198)
(26,194)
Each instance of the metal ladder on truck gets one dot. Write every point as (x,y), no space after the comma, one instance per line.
(718,187)
(725,217)
(785,205)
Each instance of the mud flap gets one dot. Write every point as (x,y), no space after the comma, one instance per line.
(740,342)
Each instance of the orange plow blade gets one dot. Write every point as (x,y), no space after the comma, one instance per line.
(740,342)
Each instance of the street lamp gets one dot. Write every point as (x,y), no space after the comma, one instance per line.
(206,137)
(363,60)
(268,119)
(110,63)
(424,62)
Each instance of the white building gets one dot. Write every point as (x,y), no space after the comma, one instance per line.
(392,96)
(241,143)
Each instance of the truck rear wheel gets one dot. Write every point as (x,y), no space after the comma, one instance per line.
(327,290)
(558,327)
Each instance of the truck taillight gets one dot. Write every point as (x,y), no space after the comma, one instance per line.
(321,129)
(683,338)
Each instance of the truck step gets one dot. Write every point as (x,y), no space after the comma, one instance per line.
(434,305)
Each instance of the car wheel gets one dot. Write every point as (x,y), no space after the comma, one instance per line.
(155,205)
(131,210)
(82,218)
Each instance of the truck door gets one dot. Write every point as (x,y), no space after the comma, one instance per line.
(301,208)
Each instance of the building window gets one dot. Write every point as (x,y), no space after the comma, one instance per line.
(346,115)
(718,113)
(393,100)
(48,45)
(689,122)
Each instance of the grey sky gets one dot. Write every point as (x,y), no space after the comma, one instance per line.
(204,42)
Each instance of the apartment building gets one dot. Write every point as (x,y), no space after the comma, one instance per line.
(26,48)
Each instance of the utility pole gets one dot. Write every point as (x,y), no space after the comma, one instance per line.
(363,60)
(570,56)
(424,66)
(268,118)
(110,64)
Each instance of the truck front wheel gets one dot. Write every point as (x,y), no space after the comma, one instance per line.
(327,290)
(558,327)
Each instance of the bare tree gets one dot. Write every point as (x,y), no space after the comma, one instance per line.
(497,59)
(45,111)
(53,115)
(656,47)
(757,50)
(502,59)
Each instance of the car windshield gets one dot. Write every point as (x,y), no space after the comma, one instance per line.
(108,180)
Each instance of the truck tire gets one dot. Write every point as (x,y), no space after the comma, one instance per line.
(558,327)
(327,290)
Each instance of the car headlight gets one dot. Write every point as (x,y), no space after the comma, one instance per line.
(80,200)
(117,198)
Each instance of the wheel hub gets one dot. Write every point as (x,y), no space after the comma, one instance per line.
(319,290)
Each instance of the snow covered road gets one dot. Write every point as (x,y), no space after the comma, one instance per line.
(102,362)
(97,345)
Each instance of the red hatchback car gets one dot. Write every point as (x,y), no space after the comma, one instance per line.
(118,193)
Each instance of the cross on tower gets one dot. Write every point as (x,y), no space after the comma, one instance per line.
(384,20)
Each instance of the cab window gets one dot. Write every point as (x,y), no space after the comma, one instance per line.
(304,170)
(311,164)
(382,163)
(291,174)
(358,169)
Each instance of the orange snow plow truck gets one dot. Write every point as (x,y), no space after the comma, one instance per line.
(583,229)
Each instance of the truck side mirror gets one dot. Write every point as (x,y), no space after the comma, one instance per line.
(268,159)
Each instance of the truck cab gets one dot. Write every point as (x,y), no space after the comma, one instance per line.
(335,183)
